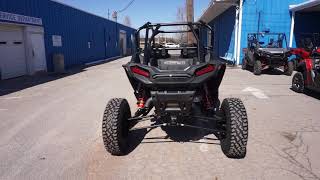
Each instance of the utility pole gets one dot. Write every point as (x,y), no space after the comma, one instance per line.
(108,13)
(115,16)
(190,18)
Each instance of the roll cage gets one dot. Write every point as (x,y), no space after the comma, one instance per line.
(196,28)
(254,39)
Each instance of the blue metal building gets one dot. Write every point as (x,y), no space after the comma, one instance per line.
(232,20)
(32,31)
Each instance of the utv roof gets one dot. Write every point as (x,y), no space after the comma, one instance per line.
(151,25)
(265,33)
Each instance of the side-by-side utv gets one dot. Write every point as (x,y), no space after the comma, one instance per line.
(267,50)
(308,75)
(182,87)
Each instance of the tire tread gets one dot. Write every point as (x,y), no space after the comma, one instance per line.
(235,147)
(112,126)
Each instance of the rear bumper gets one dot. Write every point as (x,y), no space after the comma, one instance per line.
(275,62)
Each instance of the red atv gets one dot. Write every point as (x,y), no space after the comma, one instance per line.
(306,46)
(308,75)
(301,55)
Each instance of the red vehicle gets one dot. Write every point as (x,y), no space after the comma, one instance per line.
(306,46)
(308,75)
(302,54)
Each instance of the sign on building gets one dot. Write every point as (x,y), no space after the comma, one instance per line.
(20,18)
(56,41)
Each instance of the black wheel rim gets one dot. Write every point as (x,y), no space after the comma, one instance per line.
(297,82)
(223,125)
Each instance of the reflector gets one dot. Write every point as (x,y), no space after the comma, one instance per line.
(205,70)
(140,71)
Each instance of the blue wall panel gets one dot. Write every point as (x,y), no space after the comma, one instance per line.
(260,15)
(224,34)
(76,27)
(306,23)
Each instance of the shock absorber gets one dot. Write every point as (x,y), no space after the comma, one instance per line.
(140,103)
(208,103)
(140,94)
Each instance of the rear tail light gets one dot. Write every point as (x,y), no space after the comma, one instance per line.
(205,70)
(140,71)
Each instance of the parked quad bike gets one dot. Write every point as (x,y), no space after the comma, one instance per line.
(182,89)
(308,75)
(273,55)
(302,54)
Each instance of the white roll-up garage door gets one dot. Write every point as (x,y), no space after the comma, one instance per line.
(12,52)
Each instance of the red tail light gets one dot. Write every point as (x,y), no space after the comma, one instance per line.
(140,71)
(205,70)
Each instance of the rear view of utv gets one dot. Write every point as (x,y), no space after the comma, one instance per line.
(182,88)
(267,51)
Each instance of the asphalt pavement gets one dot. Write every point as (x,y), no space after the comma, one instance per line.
(50,128)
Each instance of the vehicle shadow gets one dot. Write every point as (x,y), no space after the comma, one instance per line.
(272,72)
(17,84)
(187,134)
(173,134)
(135,138)
(269,71)
(310,93)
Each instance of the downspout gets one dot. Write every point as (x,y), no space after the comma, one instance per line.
(292,28)
(239,32)
(236,35)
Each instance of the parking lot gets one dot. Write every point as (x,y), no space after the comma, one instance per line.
(52,130)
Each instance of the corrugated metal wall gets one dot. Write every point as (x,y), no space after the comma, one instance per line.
(224,34)
(305,24)
(260,15)
(76,27)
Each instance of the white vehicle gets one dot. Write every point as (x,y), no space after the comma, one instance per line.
(171,45)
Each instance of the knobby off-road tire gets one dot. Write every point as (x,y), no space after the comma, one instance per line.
(289,68)
(115,128)
(244,64)
(298,82)
(257,67)
(234,143)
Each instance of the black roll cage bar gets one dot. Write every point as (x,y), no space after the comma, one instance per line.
(155,31)
(256,35)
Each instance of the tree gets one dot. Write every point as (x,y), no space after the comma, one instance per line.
(127,21)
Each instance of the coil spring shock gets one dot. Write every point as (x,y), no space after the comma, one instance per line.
(140,94)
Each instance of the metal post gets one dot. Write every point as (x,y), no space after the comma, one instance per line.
(236,35)
(292,28)
(240,32)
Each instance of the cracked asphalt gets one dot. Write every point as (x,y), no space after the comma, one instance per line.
(50,128)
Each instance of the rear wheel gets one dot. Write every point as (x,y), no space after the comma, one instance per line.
(234,142)
(257,67)
(115,127)
(288,69)
(298,82)
(244,63)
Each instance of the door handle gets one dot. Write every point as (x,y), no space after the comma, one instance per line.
(32,52)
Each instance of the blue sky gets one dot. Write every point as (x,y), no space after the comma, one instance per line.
(140,11)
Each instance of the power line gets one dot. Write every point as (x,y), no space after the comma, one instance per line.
(125,8)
